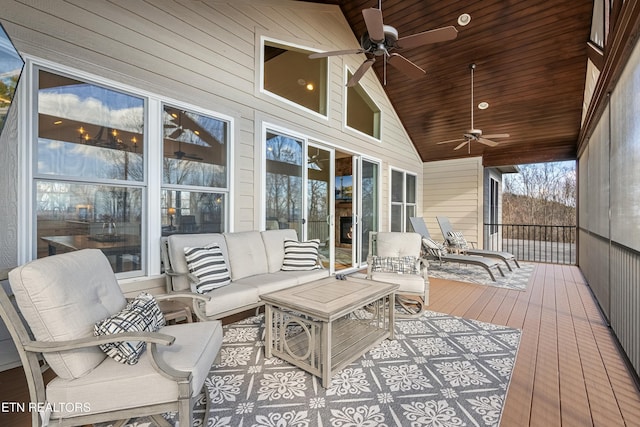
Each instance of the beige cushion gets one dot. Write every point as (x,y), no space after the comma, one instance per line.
(231,297)
(61,297)
(175,247)
(247,255)
(194,350)
(409,283)
(274,246)
(265,283)
(396,244)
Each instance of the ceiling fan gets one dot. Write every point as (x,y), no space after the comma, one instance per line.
(382,40)
(474,134)
(178,131)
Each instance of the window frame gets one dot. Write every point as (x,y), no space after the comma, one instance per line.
(403,203)
(368,101)
(262,91)
(152,184)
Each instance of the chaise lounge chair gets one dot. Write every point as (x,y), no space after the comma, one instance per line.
(438,252)
(449,233)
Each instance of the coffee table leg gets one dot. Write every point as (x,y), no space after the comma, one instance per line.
(325,354)
(392,305)
(268,316)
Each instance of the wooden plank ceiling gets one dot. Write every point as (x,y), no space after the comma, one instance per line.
(530,61)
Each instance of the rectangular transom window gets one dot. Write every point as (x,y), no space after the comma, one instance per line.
(290,74)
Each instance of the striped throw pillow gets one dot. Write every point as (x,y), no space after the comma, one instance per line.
(456,239)
(433,248)
(300,255)
(141,314)
(209,267)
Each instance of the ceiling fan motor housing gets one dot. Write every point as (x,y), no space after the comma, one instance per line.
(390,39)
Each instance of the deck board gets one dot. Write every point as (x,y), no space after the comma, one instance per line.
(568,372)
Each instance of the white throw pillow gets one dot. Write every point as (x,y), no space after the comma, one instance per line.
(300,255)
(456,240)
(434,248)
(208,265)
(141,314)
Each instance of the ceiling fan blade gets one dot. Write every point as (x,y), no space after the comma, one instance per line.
(176,133)
(373,21)
(335,53)
(463,144)
(496,135)
(360,72)
(486,141)
(450,141)
(432,36)
(405,66)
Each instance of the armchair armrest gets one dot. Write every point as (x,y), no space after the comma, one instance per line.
(179,294)
(54,346)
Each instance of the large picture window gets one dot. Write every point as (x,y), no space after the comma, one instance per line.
(91,179)
(362,113)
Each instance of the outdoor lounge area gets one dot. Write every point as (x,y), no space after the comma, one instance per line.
(568,370)
(210,213)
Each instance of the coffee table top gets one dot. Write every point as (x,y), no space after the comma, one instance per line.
(329,298)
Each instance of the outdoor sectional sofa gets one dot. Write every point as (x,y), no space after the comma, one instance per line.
(254,260)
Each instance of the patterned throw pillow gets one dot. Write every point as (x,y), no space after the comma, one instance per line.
(141,314)
(403,264)
(209,266)
(434,248)
(455,239)
(300,256)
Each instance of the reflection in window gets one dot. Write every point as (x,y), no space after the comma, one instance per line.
(93,136)
(284,157)
(195,151)
(290,74)
(88,131)
(362,113)
(75,216)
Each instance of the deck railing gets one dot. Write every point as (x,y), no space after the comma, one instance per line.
(528,242)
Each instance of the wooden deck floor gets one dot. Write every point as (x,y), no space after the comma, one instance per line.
(568,372)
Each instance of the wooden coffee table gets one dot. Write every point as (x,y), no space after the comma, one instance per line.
(324,325)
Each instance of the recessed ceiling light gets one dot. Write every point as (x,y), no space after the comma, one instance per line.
(483,105)
(464,19)
(310,86)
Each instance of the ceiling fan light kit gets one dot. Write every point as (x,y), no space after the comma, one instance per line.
(464,19)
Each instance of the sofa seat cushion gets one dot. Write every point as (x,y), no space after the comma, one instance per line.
(307,276)
(271,282)
(413,283)
(247,255)
(48,289)
(188,353)
(230,297)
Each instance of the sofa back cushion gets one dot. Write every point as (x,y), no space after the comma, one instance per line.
(247,254)
(175,248)
(61,298)
(274,246)
(396,244)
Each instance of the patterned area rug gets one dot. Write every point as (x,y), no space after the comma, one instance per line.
(439,371)
(516,279)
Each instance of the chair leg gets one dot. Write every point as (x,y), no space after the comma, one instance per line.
(413,305)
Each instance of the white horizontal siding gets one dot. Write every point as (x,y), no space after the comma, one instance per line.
(453,188)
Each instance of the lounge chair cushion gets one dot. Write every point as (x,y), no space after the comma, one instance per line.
(209,266)
(141,314)
(300,256)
